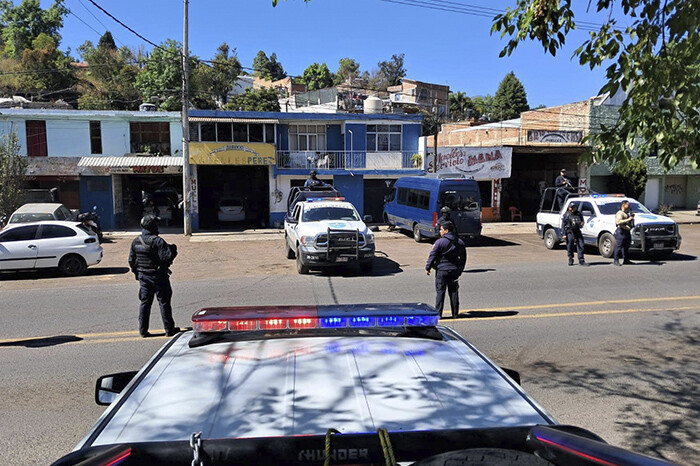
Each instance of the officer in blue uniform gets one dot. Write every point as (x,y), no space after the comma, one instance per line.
(150,258)
(573,222)
(448,257)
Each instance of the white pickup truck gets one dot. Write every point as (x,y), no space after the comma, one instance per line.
(653,234)
(322,232)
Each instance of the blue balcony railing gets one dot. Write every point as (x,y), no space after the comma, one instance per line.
(346,160)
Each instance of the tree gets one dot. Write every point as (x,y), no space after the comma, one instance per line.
(317,76)
(629,177)
(347,69)
(268,68)
(23,23)
(392,70)
(510,99)
(258,100)
(653,60)
(44,55)
(459,105)
(483,107)
(110,79)
(161,76)
(219,78)
(12,171)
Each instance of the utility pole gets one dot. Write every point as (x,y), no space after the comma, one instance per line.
(186,183)
(436,110)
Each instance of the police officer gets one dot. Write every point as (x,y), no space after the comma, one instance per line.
(623,235)
(562,184)
(149,259)
(573,221)
(313,182)
(448,257)
(446,216)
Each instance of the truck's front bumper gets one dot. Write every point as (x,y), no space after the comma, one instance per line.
(313,257)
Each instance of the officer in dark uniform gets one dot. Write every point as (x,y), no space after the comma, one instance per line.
(446,216)
(573,221)
(313,182)
(563,186)
(149,259)
(448,257)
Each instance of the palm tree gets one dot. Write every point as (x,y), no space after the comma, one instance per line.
(459,104)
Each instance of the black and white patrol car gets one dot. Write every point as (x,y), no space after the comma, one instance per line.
(338,384)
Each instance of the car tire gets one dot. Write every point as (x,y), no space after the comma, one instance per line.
(302,269)
(366,267)
(72,265)
(606,245)
(417,235)
(289,251)
(550,239)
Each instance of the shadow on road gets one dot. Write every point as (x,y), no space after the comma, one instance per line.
(661,384)
(54,273)
(486,314)
(479,270)
(43,342)
(383,266)
(486,241)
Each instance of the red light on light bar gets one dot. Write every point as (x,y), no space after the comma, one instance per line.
(243,324)
(303,322)
(211,326)
(273,324)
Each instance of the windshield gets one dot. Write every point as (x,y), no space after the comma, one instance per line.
(611,208)
(30,217)
(456,200)
(329,213)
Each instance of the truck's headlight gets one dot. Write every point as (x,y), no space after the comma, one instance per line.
(370,238)
(307,240)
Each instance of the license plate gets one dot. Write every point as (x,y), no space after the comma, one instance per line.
(658,245)
(341,259)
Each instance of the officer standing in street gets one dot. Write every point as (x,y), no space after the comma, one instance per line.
(623,234)
(448,257)
(446,216)
(150,258)
(573,222)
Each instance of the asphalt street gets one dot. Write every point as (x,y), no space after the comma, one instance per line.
(610,349)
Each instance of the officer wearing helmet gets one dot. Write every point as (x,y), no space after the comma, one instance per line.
(446,216)
(150,258)
(314,182)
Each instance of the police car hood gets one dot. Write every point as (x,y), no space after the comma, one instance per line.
(304,386)
(324,225)
(649,219)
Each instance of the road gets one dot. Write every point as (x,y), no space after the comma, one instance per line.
(611,349)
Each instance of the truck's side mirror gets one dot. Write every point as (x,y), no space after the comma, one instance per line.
(291,220)
(367,219)
(108,387)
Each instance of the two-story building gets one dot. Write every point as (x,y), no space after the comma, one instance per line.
(107,159)
(255,158)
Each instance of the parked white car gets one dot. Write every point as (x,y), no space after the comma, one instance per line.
(66,245)
(231,209)
(36,212)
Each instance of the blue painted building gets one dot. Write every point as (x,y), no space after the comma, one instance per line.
(255,158)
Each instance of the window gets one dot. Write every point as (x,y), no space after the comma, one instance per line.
(95,137)
(307,137)
(383,138)
(56,231)
(329,213)
(403,196)
(59,214)
(20,234)
(36,138)
(587,209)
(418,198)
(150,137)
(223,132)
(255,133)
(208,132)
(232,132)
(270,133)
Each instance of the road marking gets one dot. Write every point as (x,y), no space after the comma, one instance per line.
(573,314)
(589,303)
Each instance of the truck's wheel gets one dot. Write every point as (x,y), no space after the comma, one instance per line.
(606,245)
(287,249)
(550,239)
(301,268)
(417,235)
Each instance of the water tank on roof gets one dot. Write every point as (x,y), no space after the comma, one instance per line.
(373,105)
(146,107)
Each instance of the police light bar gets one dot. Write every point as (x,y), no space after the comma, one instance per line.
(607,195)
(317,199)
(264,318)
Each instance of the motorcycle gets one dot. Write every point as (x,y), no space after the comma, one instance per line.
(91,220)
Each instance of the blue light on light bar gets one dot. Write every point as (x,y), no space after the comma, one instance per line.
(333,322)
(391,321)
(421,321)
(362,321)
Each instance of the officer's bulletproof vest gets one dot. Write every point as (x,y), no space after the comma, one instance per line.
(146,255)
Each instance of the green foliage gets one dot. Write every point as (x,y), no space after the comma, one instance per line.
(258,100)
(161,76)
(347,68)
(44,55)
(317,76)
(219,78)
(12,170)
(510,99)
(392,71)
(630,178)
(459,104)
(483,106)
(23,23)
(654,60)
(268,68)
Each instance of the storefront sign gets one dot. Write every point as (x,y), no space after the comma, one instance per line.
(231,153)
(545,135)
(480,163)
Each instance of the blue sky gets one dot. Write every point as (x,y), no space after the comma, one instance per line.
(439,46)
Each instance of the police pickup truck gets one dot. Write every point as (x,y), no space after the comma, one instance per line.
(652,234)
(325,232)
(361,384)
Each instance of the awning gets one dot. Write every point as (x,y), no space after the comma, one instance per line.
(125,162)
(232,120)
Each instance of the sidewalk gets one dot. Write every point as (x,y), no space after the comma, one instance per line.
(682,217)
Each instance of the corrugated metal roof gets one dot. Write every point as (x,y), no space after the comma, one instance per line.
(130,162)
(232,120)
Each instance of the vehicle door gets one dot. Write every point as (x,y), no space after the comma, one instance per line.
(589,229)
(292,224)
(55,241)
(18,248)
(464,210)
